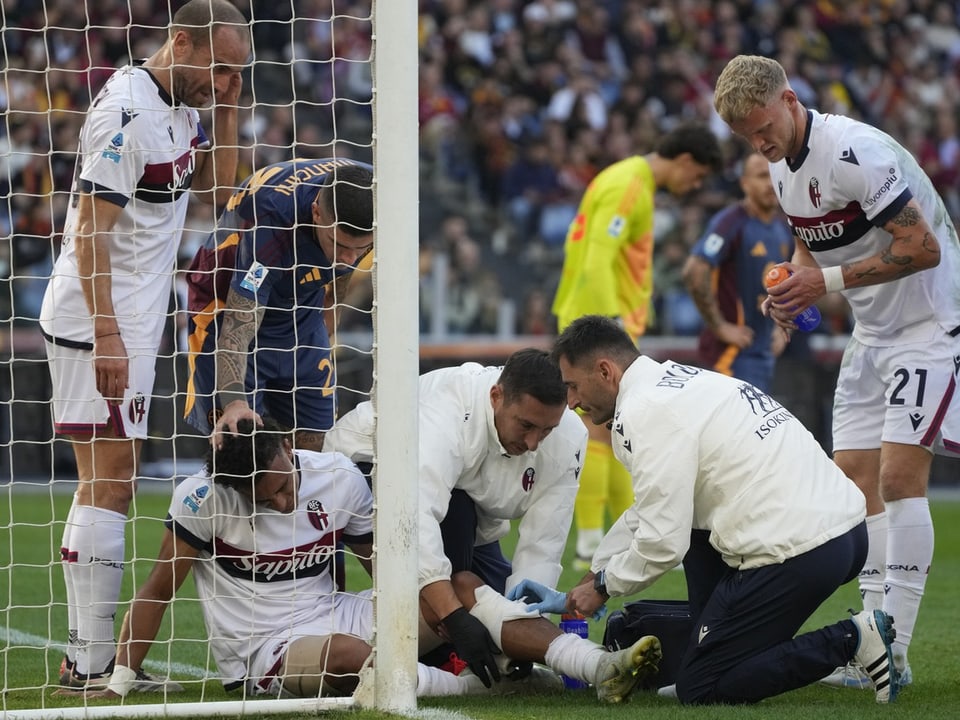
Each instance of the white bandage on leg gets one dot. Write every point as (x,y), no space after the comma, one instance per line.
(493,610)
(302,671)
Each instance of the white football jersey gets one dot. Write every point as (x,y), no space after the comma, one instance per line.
(137,150)
(460,449)
(261,572)
(849,181)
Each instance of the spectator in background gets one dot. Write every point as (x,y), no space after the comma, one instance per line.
(595,41)
(465,301)
(724,275)
(535,317)
(578,104)
(673,311)
(530,183)
(608,270)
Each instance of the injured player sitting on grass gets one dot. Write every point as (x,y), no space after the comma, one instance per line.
(258,528)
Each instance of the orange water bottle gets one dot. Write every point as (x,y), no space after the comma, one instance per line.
(809,319)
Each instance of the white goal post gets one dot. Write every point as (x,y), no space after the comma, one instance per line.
(391,144)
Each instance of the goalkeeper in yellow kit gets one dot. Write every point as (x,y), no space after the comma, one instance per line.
(608,270)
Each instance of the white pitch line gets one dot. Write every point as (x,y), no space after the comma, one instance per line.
(436,714)
(16,637)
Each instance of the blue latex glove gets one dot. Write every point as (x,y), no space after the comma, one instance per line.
(539,597)
(546,600)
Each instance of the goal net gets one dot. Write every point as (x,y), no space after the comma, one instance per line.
(327,79)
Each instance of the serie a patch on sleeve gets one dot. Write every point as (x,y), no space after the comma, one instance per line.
(113,152)
(616,226)
(254,277)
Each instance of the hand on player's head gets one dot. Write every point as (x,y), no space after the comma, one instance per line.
(228,421)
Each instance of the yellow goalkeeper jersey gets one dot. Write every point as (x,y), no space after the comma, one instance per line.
(608,253)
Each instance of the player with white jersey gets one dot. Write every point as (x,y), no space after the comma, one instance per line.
(141,150)
(729,481)
(850,180)
(496,444)
(868,223)
(138,151)
(259,528)
(286,563)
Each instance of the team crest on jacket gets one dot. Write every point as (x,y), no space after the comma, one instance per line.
(528,479)
(317,515)
(814,190)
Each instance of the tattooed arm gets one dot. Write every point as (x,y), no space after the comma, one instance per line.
(241,319)
(697,276)
(913,247)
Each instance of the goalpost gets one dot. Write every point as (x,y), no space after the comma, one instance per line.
(43,66)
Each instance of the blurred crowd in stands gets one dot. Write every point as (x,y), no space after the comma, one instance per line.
(521,102)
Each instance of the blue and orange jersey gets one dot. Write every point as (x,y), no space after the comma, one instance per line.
(740,249)
(608,253)
(265,248)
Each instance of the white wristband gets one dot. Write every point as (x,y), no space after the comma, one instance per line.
(833,278)
(122,679)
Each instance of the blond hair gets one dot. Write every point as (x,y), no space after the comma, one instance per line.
(746,83)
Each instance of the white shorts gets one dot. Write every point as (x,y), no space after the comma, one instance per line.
(351,614)
(79,408)
(903,394)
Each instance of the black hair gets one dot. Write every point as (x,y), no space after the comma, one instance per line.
(347,197)
(695,139)
(198,19)
(244,457)
(591,336)
(532,372)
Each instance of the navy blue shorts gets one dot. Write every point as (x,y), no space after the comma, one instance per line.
(459,530)
(295,387)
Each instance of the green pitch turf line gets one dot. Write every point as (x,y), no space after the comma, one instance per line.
(16,638)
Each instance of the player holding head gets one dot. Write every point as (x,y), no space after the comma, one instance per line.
(868,223)
(608,270)
(282,253)
(141,150)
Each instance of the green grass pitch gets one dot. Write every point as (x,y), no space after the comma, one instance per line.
(33,625)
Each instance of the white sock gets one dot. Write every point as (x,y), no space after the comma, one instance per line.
(875,567)
(65,551)
(97,538)
(909,554)
(588,541)
(575,657)
(434,682)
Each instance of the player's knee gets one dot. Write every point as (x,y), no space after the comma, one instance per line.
(465,584)
(330,663)
(114,495)
(903,478)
